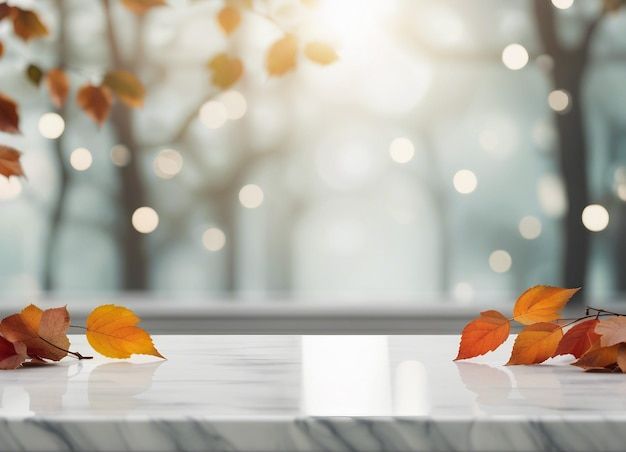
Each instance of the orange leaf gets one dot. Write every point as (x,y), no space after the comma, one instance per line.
(536,343)
(579,339)
(600,358)
(95,101)
(320,53)
(281,56)
(1,49)
(621,357)
(44,333)
(226,71)
(127,87)
(10,162)
(229,19)
(27,24)
(9,118)
(11,355)
(5,11)
(112,331)
(484,334)
(58,86)
(612,331)
(541,304)
(142,6)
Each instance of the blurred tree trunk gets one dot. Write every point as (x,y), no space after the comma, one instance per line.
(570,65)
(56,215)
(132,243)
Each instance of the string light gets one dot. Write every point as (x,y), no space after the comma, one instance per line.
(51,125)
(213,114)
(559,100)
(213,239)
(515,56)
(145,220)
(530,227)
(120,155)
(168,163)
(234,103)
(500,261)
(251,196)
(563,4)
(81,159)
(401,150)
(465,181)
(595,217)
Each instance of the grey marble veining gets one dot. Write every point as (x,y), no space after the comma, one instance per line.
(310,393)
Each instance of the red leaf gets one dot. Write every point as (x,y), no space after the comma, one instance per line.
(12,355)
(579,339)
(484,334)
(9,119)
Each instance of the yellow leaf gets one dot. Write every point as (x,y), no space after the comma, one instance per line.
(113,332)
(229,19)
(226,71)
(142,6)
(126,86)
(320,53)
(281,56)
(541,304)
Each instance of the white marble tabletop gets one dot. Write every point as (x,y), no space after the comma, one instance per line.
(310,393)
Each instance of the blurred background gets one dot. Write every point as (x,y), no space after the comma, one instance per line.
(454,150)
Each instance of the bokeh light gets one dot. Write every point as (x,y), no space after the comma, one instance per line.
(595,217)
(500,261)
(463,292)
(234,103)
(213,239)
(10,188)
(563,4)
(515,56)
(120,155)
(81,159)
(551,194)
(465,181)
(168,163)
(251,196)
(559,100)
(401,150)
(530,227)
(213,114)
(145,220)
(51,125)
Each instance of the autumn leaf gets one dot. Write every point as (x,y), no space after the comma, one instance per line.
(34,74)
(536,343)
(5,11)
(484,334)
(579,339)
(44,333)
(126,86)
(113,332)
(281,56)
(320,53)
(229,18)
(27,24)
(1,49)
(142,6)
(612,331)
(541,304)
(10,162)
(226,71)
(599,358)
(12,355)
(58,86)
(9,119)
(95,101)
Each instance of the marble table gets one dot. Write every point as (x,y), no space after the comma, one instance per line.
(310,393)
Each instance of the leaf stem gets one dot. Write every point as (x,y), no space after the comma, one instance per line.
(79,326)
(76,354)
